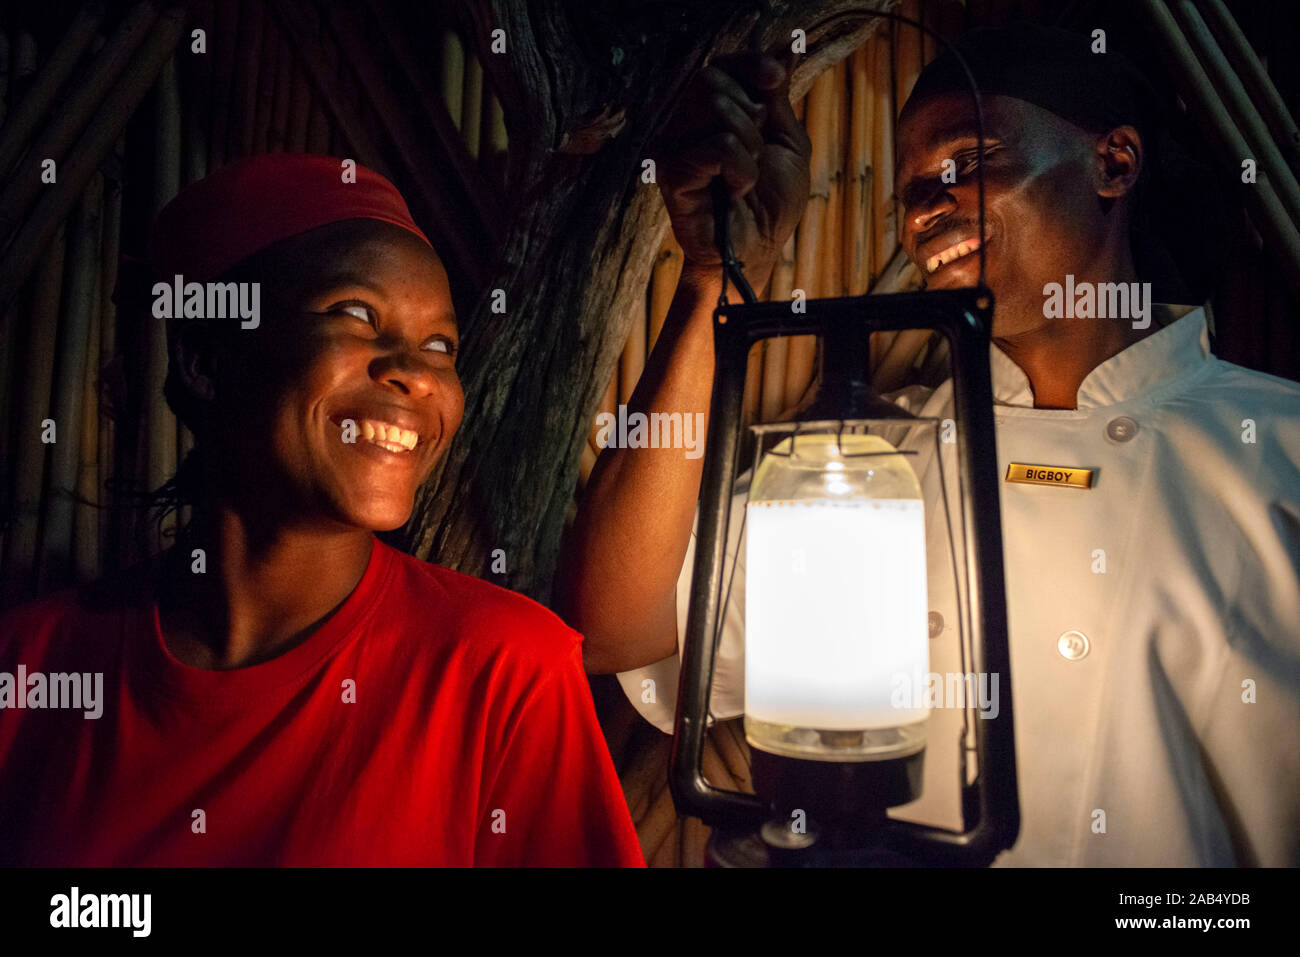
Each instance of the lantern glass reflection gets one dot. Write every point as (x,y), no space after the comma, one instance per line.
(836,599)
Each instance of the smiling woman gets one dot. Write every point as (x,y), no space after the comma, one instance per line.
(286,689)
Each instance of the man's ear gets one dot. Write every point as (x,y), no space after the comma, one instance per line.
(1119,162)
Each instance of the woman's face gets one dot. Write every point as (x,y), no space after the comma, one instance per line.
(338,406)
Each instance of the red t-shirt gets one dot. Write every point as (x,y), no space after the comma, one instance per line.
(434,719)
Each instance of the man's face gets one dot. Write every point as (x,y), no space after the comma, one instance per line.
(362,329)
(1041,205)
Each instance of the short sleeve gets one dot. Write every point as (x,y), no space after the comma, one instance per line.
(556,800)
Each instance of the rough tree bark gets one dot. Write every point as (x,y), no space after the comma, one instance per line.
(584,91)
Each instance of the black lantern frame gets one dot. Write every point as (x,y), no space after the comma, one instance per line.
(991,813)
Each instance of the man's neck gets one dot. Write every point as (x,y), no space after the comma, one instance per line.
(1057,354)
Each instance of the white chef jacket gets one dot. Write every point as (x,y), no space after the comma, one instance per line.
(1174,708)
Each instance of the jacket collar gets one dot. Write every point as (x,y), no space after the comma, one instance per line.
(1177,349)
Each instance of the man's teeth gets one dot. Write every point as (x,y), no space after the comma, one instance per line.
(388,436)
(951,253)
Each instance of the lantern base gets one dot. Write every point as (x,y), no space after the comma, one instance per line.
(845,799)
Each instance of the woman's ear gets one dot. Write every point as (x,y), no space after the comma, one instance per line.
(192,355)
(1119,162)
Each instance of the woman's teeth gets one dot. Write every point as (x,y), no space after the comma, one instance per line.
(951,253)
(388,436)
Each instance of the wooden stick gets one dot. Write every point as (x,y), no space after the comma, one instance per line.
(167,136)
(322,61)
(495,141)
(664,276)
(82,105)
(908,51)
(35,106)
(300,109)
(802,350)
(857,193)
(109,246)
(222,47)
(453,76)
(196,90)
(396,125)
(86,155)
(608,404)
(4,75)
(882,149)
(85,532)
(248,64)
(435,98)
(268,69)
(66,400)
(24,66)
(35,379)
(277,136)
(472,106)
(772,392)
(632,362)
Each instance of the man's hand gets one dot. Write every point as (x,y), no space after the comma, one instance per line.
(735,121)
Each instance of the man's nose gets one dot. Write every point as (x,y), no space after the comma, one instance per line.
(932,203)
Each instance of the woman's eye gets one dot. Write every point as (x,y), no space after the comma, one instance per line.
(354,309)
(445,346)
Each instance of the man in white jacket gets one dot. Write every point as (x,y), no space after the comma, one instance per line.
(1154,617)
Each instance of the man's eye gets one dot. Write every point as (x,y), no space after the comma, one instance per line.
(443,345)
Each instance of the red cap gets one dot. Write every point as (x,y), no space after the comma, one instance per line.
(242,208)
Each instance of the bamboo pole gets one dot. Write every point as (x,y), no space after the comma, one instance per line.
(882,149)
(632,362)
(608,404)
(268,69)
(85,104)
(664,276)
(248,64)
(109,247)
(160,456)
(300,109)
(472,106)
(277,136)
(196,89)
(223,45)
(495,141)
(857,192)
(86,514)
(35,106)
(24,66)
(36,376)
(586,462)
(453,76)
(86,155)
(772,391)
(810,249)
(4,76)
(908,51)
(83,234)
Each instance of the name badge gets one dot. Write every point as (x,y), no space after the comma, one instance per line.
(1064,476)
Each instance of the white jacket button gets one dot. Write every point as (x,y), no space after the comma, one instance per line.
(1121,429)
(1073,645)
